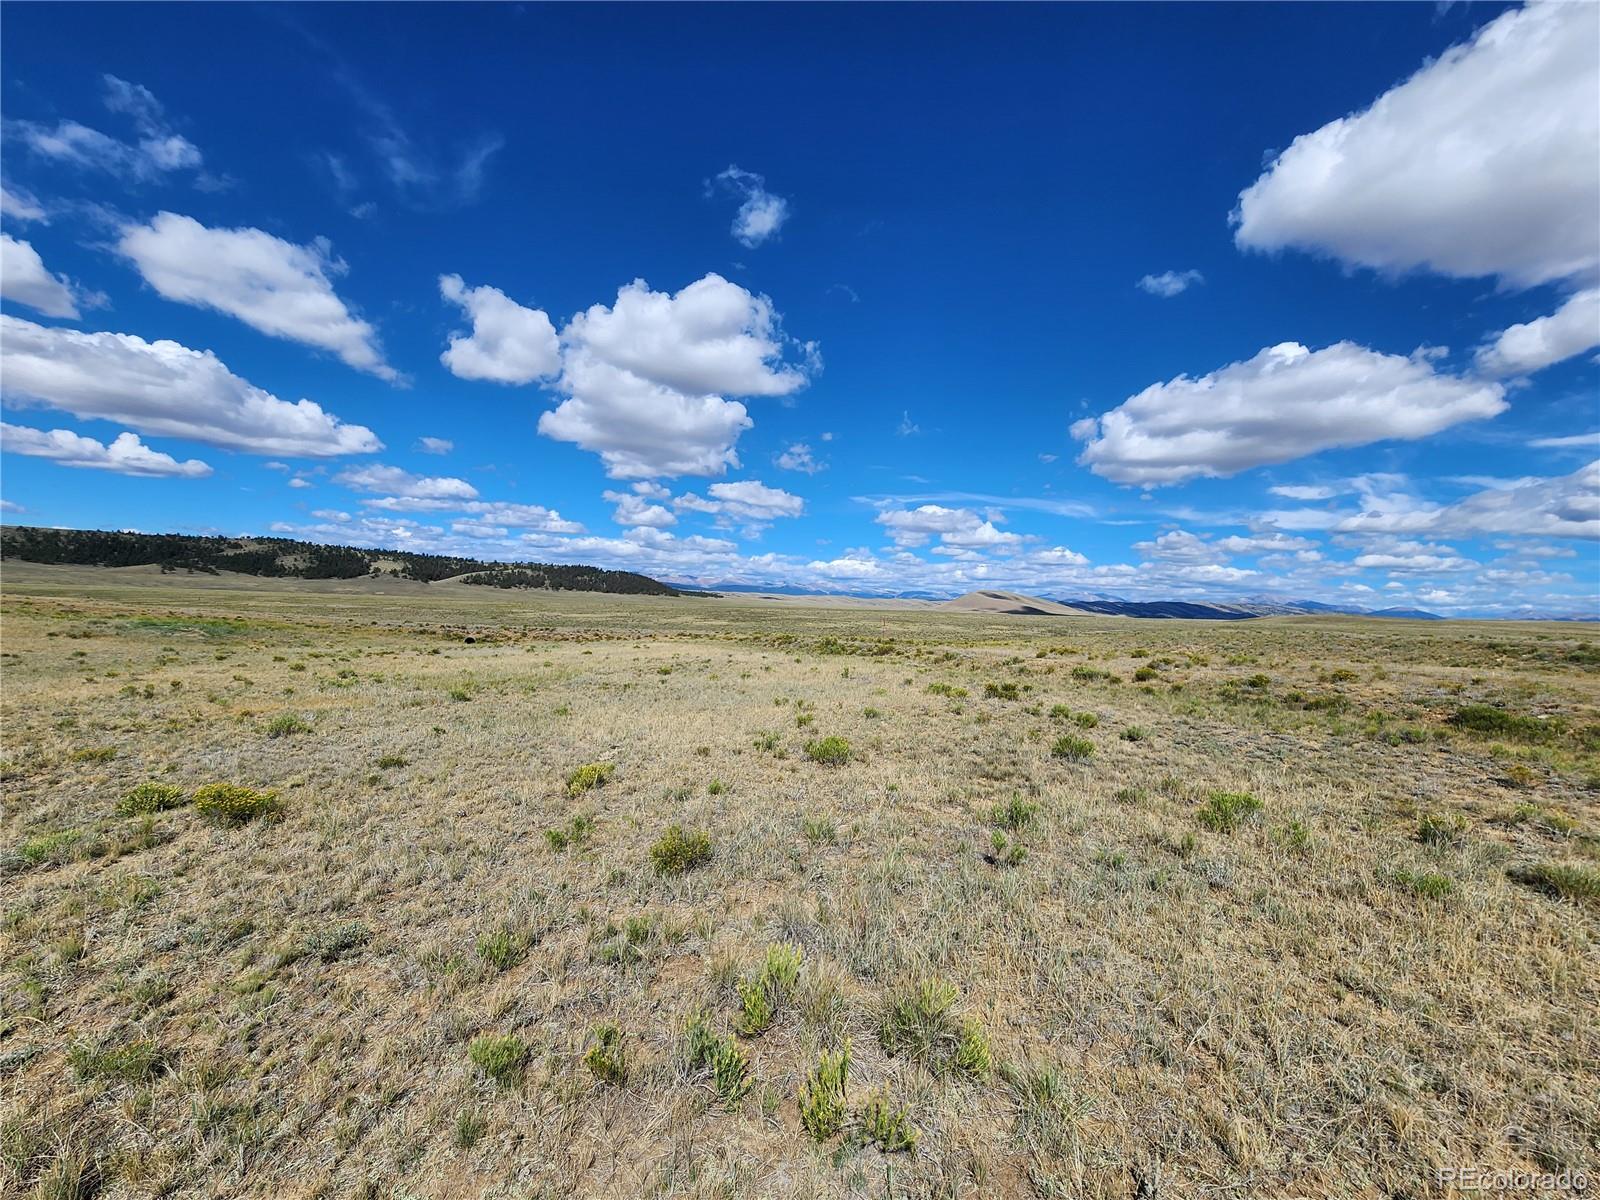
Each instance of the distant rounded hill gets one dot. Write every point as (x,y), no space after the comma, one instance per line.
(1017,604)
(1014,603)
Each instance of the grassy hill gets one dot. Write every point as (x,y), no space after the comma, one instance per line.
(286,558)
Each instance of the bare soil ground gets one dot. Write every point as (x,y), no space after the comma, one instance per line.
(1100,907)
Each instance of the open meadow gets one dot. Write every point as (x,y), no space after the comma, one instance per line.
(405,890)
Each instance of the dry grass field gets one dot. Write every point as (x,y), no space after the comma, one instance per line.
(1097,907)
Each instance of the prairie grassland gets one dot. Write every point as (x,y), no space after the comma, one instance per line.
(849,902)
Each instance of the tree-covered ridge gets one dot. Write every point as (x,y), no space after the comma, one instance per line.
(286,558)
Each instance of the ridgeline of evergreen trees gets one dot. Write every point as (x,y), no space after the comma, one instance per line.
(284,558)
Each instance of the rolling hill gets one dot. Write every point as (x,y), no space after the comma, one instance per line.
(284,558)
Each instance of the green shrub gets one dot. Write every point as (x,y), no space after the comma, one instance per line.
(390,762)
(1085,720)
(781,971)
(729,1067)
(1297,837)
(755,1009)
(1496,722)
(151,797)
(948,690)
(1134,733)
(887,1126)
(761,998)
(972,1056)
(1001,691)
(335,941)
(1006,852)
(1073,749)
(232,804)
(1226,811)
(822,1094)
(831,751)
(286,724)
(499,1056)
(678,851)
(918,1022)
(606,1059)
(588,777)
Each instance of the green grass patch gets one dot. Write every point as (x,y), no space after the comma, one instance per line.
(1223,812)
(830,751)
(607,1058)
(126,1062)
(499,1056)
(286,725)
(1071,748)
(55,848)
(1570,881)
(1489,721)
(678,850)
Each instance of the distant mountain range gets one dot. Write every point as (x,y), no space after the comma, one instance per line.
(1189,610)
(1016,603)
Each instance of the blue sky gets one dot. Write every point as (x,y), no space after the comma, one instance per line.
(1217,301)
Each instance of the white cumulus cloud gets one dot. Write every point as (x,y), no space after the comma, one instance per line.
(635,509)
(165,389)
(647,380)
(1481,164)
(1284,403)
(126,455)
(1571,329)
(395,481)
(956,528)
(281,289)
(508,343)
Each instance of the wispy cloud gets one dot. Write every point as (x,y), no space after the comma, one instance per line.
(1170,283)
